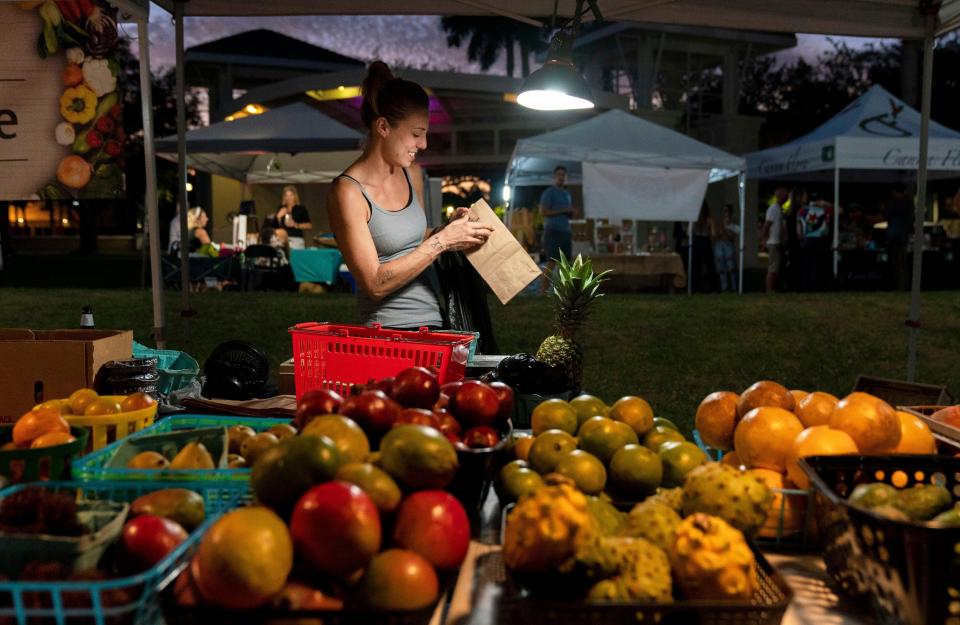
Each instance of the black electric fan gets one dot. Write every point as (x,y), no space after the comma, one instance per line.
(236,370)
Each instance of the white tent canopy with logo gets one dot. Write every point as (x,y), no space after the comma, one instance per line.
(630,168)
(876,133)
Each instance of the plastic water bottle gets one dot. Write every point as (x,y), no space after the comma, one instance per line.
(86,318)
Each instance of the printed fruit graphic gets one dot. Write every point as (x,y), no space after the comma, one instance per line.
(419,457)
(635,472)
(819,440)
(871,423)
(433,524)
(243,559)
(415,387)
(816,408)
(765,393)
(148,538)
(348,437)
(79,399)
(716,419)
(602,437)
(36,423)
(373,481)
(915,436)
(635,412)
(475,404)
(193,456)
(741,499)
(786,514)
(586,471)
(283,473)
(711,560)
(679,458)
(764,437)
(102,406)
(548,448)
(398,580)
(51,439)
(148,460)
(137,401)
(316,402)
(587,406)
(336,528)
(553,414)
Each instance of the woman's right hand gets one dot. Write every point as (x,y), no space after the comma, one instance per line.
(463,234)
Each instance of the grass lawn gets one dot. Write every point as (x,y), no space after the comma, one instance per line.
(672,350)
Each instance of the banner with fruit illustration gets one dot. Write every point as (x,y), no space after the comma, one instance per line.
(61,120)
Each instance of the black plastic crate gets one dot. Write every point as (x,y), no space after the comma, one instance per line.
(909,572)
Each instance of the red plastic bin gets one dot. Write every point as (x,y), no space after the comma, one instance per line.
(336,356)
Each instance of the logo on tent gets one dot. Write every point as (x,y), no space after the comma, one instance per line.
(885,124)
(827,154)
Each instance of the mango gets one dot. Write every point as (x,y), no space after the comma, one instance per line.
(182,505)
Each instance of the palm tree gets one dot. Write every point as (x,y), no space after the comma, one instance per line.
(487,35)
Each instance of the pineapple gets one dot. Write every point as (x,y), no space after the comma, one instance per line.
(575,287)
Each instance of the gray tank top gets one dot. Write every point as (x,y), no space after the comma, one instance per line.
(396,233)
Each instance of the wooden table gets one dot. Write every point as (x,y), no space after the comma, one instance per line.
(639,271)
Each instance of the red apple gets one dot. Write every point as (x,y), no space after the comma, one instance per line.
(418,416)
(383,384)
(481,437)
(148,538)
(316,402)
(435,525)
(450,388)
(455,439)
(336,528)
(442,402)
(505,395)
(447,423)
(415,387)
(475,403)
(398,580)
(372,410)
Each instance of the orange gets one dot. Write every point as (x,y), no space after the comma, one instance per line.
(871,422)
(764,437)
(765,393)
(790,508)
(521,446)
(553,414)
(548,448)
(635,412)
(52,438)
(243,559)
(62,405)
(798,395)
(732,459)
(102,406)
(716,419)
(819,440)
(349,438)
(36,423)
(137,401)
(915,436)
(587,406)
(585,469)
(602,437)
(80,398)
(816,408)
(635,472)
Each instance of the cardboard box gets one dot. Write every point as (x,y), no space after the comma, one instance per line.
(37,365)
(286,382)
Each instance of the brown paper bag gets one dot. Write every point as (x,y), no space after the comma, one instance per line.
(501,261)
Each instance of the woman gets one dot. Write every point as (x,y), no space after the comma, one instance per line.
(377,214)
(725,238)
(197,221)
(292,217)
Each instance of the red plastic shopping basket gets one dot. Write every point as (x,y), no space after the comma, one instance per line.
(336,356)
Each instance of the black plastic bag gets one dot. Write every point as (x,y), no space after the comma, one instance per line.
(463,299)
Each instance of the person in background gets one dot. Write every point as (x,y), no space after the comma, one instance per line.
(377,213)
(292,217)
(701,270)
(772,237)
(793,267)
(681,243)
(814,222)
(556,206)
(899,213)
(200,242)
(726,235)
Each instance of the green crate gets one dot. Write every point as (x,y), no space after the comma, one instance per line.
(30,465)
(98,465)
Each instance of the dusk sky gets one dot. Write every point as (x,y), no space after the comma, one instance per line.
(413,41)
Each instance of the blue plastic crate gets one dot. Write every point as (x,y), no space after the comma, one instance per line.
(131,599)
(94,466)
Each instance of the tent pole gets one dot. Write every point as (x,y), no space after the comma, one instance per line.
(150,161)
(836,221)
(185,311)
(742,187)
(913,321)
(689,258)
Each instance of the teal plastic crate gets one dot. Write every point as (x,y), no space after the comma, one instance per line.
(176,369)
(131,599)
(96,466)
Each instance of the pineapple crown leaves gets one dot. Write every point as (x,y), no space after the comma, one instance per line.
(575,288)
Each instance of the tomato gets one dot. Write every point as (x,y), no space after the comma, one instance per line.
(148,538)
(435,525)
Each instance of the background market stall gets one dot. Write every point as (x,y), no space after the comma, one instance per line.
(630,169)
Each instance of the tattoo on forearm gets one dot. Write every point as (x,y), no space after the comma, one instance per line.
(385,276)
(436,244)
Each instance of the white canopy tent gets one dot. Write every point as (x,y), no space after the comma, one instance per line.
(877,132)
(629,167)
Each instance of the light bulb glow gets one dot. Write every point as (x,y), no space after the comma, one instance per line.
(549,100)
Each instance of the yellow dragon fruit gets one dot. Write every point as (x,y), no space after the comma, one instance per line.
(711,559)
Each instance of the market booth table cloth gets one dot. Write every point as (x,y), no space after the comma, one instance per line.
(636,269)
(316,265)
